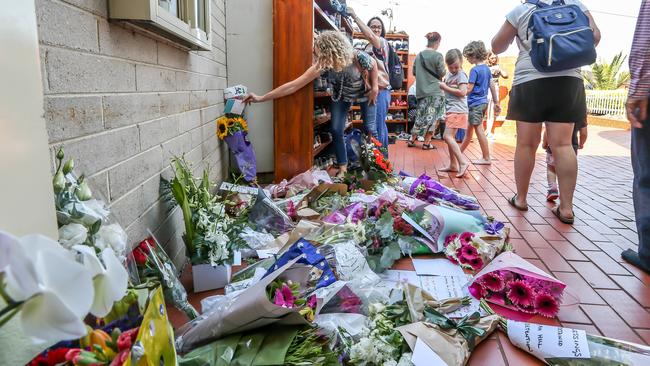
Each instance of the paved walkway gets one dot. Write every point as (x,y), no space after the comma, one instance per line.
(614,297)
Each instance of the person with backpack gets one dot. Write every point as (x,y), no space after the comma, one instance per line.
(555,38)
(638,113)
(375,32)
(429,69)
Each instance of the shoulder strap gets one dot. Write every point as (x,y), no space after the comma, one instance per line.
(424,65)
(541,4)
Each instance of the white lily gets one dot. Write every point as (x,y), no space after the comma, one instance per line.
(52,292)
(110,278)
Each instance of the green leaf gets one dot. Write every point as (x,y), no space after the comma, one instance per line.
(385,225)
(94,229)
(390,255)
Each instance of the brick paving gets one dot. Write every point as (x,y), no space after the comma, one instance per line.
(614,296)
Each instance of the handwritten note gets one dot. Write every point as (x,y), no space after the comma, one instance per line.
(437,267)
(399,276)
(446,287)
(545,341)
(225,186)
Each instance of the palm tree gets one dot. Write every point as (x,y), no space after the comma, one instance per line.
(607,76)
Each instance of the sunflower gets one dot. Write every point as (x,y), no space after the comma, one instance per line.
(222,128)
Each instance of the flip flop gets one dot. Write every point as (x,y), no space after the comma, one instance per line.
(428,147)
(411,144)
(566,220)
(513,203)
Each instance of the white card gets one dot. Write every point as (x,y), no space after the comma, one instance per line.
(425,356)
(445,287)
(267,253)
(237,259)
(225,186)
(437,267)
(399,276)
(545,341)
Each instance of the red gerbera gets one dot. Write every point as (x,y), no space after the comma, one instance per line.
(546,305)
(520,293)
(466,238)
(476,263)
(469,252)
(450,238)
(493,282)
(477,290)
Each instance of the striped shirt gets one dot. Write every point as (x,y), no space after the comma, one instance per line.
(640,55)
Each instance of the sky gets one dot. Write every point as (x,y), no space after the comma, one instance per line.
(468,20)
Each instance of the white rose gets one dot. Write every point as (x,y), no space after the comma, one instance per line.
(72,234)
(111,236)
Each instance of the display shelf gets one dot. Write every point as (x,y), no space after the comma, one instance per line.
(322,21)
(322,94)
(322,119)
(321,147)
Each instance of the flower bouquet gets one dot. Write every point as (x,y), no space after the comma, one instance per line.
(233,129)
(83,220)
(453,341)
(517,288)
(381,342)
(471,251)
(373,160)
(282,297)
(440,222)
(211,236)
(571,347)
(271,345)
(427,189)
(153,265)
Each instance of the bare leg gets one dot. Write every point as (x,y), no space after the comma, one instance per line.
(551,176)
(468,137)
(485,147)
(528,138)
(455,156)
(566,163)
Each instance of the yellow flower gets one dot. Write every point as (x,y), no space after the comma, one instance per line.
(222,128)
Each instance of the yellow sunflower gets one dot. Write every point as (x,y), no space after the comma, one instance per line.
(222,128)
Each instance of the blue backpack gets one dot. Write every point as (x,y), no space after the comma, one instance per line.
(562,37)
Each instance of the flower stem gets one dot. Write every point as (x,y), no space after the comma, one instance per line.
(9,312)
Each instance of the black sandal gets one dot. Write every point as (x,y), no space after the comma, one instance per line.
(428,147)
(513,203)
(566,220)
(411,144)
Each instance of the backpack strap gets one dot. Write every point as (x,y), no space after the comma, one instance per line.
(541,4)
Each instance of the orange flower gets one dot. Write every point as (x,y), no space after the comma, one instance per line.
(375,141)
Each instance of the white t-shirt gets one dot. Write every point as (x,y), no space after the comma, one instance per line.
(524,69)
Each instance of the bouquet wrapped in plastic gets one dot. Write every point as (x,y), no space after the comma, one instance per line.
(282,297)
(517,288)
(233,129)
(473,251)
(427,189)
(153,264)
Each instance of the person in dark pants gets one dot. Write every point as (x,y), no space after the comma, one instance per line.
(638,112)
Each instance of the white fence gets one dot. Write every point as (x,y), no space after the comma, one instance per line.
(606,102)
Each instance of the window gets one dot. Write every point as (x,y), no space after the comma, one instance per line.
(186,22)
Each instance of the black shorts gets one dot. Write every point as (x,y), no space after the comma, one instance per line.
(556,99)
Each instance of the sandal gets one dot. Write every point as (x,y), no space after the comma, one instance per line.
(513,203)
(428,147)
(411,144)
(566,220)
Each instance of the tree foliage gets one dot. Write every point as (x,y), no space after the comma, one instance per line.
(608,75)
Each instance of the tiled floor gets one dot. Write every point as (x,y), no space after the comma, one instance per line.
(614,296)
(586,256)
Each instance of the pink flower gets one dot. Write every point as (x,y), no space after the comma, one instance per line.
(291,210)
(126,339)
(469,252)
(311,301)
(450,239)
(546,305)
(477,290)
(461,258)
(466,238)
(284,297)
(476,263)
(452,259)
(493,282)
(520,293)
(73,355)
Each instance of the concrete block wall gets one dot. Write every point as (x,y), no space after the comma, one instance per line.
(123,102)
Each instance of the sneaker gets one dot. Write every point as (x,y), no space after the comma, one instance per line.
(552,195)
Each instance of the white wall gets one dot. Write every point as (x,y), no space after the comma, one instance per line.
(249,45)
(26,184)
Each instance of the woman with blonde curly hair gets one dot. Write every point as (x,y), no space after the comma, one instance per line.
(353,75)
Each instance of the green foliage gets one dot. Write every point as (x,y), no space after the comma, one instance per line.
(608,75)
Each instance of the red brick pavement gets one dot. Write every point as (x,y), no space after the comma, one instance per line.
(614,297)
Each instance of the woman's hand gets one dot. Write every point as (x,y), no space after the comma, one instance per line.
(372,96)
(252,98)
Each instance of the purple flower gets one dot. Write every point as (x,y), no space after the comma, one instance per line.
(311,301)
(494,227)
(284,297)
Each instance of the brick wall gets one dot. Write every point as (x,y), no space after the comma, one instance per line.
(122,103)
